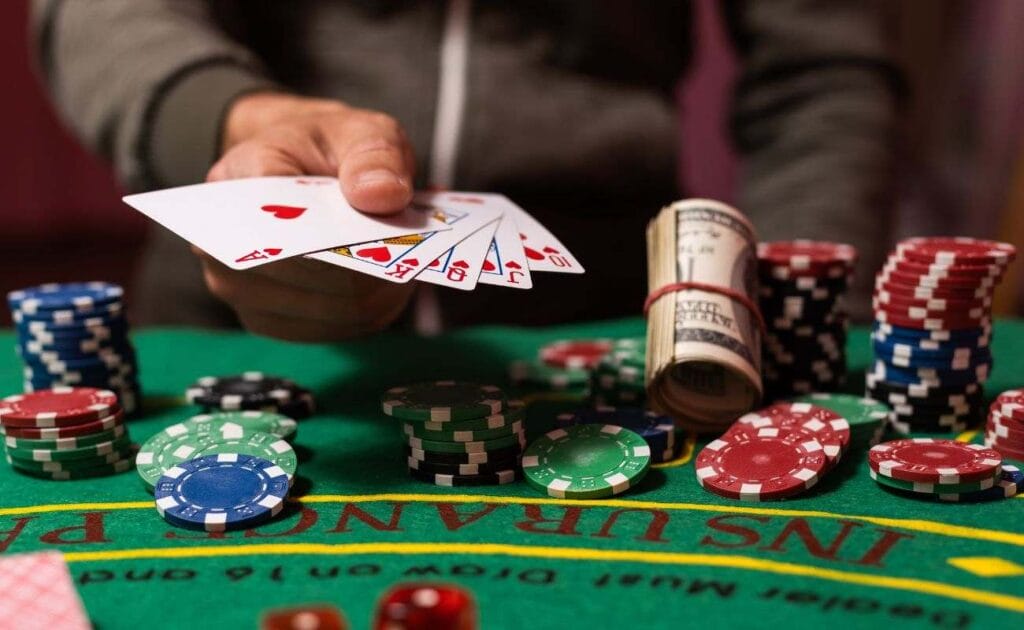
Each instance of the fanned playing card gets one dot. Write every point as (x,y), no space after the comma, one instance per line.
(460,266)
(403,258)
(505,265)
(245,223)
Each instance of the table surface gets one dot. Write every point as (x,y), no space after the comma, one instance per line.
(661,555)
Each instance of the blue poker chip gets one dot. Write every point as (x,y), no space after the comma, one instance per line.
(1011,483)
(966,336)
(69,317)
(930,376)
(82,296)
(928,359)
(221,492)
(944,350)
(657,430)
(81,351)
(82,327)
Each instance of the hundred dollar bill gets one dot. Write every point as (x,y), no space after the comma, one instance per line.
(703,346)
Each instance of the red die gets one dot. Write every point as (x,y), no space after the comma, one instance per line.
(426,607)
(319,617)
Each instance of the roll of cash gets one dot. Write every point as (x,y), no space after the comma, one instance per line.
(703,344)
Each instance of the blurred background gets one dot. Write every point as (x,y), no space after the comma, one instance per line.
(962,162)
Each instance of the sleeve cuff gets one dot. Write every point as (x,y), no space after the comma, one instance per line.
(181,138)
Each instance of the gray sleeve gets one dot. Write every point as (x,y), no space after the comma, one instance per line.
(144,83)
(813,119)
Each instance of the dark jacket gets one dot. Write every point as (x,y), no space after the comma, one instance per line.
(569,110)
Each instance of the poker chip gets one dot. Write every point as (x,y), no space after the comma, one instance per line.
(575,353)
(75,430)
(82,296)
(806,254)
(586,461)
(934,461)
(1010,403)
(956,251)
(60,444)
(249,390)
(934,488)
(173,446)
(940,271)
(120,443)
(537,375)
(657,430)
(69,466)
(264,421)
(443,401)
(221,492)
(500,455)
(916,291)
(515,412)
(865,416)
(761,465)
(101,470)
(489,467)
(466,447)
(1010,484)
(485,478)
(44,408)
(465,435)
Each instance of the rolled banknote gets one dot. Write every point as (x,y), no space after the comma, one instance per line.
(703,331)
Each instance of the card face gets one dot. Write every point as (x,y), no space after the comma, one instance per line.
(38,592)
(543,250)
(245,223)
(460,266)
(403,258)
(506,264)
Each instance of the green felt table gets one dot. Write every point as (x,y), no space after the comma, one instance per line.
(666,554)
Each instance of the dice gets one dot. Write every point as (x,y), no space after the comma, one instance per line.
(426,607)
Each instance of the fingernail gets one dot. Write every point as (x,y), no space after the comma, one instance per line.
(379,176)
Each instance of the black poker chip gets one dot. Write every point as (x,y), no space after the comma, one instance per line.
(250,390)
(497,455)
(490,467)
(893,392)
(486,479)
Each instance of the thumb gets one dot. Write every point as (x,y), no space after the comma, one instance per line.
(376,168)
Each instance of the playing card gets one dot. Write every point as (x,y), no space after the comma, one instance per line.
(37,593)
(401,259)
(245,223)
(506,263)
(544,252)
(460,266)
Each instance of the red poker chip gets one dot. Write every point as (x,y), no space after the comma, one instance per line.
(916,291)
(958,250)
(46,407)
(931,282)
(970,317)
(52,433)
(828,427)
(771,272)
(576,353)
(942,271)
(930,323)
(1011,404)
(761,465)
(1005,448)
(933,304)
(803,254)
(1007,428)
(934,461)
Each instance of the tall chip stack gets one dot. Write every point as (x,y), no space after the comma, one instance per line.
(802,284)
(1004,430)
(76,334)
(933,331)
(459,433)
(66,433)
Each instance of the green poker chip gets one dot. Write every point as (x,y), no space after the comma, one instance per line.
(173,446)
(484,446)
(69,454)
(586,461)
(479,435)
(58,444)
(99,470)
(936,488)
(443,401)
(516,412)
(95,461)
(265,421)
(537,375)
(866,416)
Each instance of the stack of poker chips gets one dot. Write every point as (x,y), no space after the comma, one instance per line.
(459,433)
(252,391)
(66,433)
(933,331)
(1005,428)
(76,334)
(617,377)
(868,418)
(262,434)
(801,288)
(774,453)
(220,471)
(665,440)
(943,470)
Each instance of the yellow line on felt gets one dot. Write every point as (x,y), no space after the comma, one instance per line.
(939,589)
(929,527)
